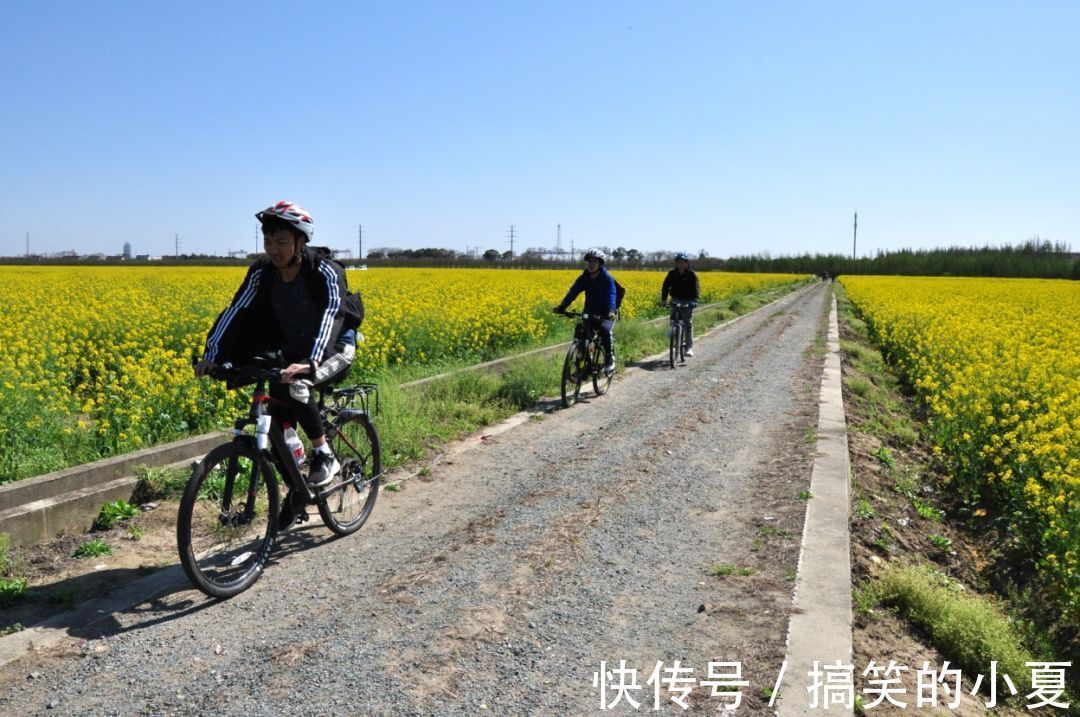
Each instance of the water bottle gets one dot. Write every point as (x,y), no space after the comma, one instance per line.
(296,446)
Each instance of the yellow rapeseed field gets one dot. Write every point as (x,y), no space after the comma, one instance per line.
(97,360)
(997,364)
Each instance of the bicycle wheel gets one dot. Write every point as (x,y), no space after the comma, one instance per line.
(346,505)
(674,341)
(601,379)
(227,520)
(574,369)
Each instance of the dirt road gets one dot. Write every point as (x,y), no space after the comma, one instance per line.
(501,582)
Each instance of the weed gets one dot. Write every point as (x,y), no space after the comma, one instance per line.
(393,487)
(969,627)
(163,482)
(12,629)
(941,542)
(863,509)
(767,530)
(725,570)
(135,532)
(11,590)
(859,386)
(927,511)
(424,471)
(811,435)
(114,512)
(885,456)
(92,548)
(804,495)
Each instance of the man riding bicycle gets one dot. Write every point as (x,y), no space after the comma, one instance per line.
(291,301)
(682,283)
(600,301)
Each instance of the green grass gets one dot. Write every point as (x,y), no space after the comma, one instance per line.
(724,570)
(161,483)
(968,629)
(12,565)
(92,548)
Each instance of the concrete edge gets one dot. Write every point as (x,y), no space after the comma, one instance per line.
(819,631)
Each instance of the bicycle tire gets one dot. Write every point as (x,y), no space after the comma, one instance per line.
(223,543)
(601,379)
(346,505)
(572,375)
(674,339)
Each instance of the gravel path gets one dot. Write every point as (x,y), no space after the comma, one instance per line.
(500,582)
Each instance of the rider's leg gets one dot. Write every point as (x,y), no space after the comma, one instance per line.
(607,341)
(689,316)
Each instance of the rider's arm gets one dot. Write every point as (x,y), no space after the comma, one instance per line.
(244,298)
(665,288)
(576,288)
(697,288)
(327,324)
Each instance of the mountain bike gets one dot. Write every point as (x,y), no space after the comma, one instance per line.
(679,332)
(584,360)
(228,517)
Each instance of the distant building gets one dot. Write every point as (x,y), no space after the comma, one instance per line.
(127,250)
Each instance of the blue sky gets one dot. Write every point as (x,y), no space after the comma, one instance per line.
(730,127)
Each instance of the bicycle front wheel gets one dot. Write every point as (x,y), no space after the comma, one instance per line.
(346,504)
(601,379)
(674,342)
(574,369)
(227,520)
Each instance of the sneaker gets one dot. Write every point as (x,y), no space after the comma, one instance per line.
(324,468)
(689,353)
(609,367)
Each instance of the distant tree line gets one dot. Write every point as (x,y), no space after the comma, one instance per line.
(1033,258)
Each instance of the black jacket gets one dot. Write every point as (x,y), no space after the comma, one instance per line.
(249,327)
(684,287)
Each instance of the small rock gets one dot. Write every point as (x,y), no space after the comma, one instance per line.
(702,607)
(34,675)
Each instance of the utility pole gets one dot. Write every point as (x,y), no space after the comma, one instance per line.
(177,245)
(855,236)
(256,237)
(360,256)
(27,245)
(511,241)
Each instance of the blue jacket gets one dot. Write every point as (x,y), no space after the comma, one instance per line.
(599,292)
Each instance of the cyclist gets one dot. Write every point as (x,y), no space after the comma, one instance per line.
(682,283)
(290,301)
(600,301)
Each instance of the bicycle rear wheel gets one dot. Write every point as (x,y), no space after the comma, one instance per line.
(684,333)
(601,379)
(347,503)
(574,369)
(227,521)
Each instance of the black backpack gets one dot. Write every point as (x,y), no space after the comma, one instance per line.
(620,292)
(352,307)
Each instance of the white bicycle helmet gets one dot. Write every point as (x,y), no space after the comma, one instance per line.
(682,255)
(597,253)
(292,213)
